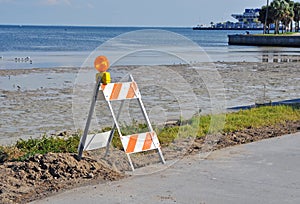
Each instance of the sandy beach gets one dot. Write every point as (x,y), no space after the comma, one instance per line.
(39,101)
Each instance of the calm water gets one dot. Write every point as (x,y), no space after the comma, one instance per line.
(65,46)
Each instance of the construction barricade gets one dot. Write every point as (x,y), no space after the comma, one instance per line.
(109,92)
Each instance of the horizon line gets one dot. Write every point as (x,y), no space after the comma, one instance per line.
(118,26)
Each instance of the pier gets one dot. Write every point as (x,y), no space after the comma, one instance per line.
(265,40)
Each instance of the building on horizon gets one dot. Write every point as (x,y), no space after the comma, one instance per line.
(247,20)
(249,17)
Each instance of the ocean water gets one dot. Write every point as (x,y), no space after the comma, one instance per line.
(23,47)
(37,101)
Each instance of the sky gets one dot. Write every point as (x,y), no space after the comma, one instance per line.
(181,13)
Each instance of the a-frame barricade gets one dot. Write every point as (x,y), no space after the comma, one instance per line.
(131,143)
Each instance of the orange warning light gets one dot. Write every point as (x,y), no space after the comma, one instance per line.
(101,63)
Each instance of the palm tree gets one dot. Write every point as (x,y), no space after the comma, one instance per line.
(287,20)
(275,7)
(263,15)
(288,15)
(282,12)
(297,15)
(266,18)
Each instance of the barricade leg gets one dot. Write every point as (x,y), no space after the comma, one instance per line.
(109,140)
(87,125)
(113,130)
(161,155)
(150,128)
(114,117)
(130,162)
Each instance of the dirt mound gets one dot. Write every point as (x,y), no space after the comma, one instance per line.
(46,174)
(243,136)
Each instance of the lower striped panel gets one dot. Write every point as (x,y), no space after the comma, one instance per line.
(140,142)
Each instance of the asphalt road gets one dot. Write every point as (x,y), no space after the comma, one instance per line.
(267,171)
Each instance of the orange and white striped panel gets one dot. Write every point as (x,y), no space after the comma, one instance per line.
(140,142)
(120,91)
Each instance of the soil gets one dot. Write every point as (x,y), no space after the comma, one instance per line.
(44,175)
(247,136)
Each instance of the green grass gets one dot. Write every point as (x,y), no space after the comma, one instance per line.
(46,144)
(194,127)
(280,34)
(24,149)
(259,117)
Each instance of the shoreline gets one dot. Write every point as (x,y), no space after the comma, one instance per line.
(46,105)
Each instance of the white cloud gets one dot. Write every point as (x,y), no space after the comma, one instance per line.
(91,6)
(56,2)
(51,2)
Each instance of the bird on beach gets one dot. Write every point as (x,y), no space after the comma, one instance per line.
(23,59)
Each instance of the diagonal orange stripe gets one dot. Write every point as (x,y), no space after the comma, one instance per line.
(116,91)
(103,86)
(148,141)
(131,143)
(132,89)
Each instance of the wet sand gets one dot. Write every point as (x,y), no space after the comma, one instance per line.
(38,101)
